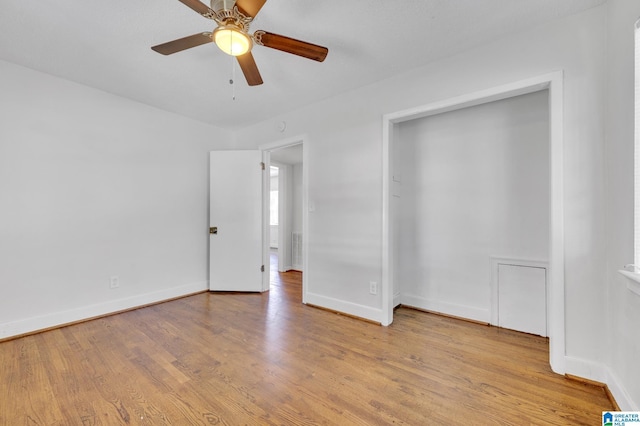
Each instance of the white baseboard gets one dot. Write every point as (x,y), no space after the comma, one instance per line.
(619,393)
(396,299)
(462,311)
(601,373)
(360,311)
(33,324)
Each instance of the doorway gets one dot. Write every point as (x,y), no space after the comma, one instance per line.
(555,279)
(285,199)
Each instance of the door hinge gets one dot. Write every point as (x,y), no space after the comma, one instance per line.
(262,268)
(263,165)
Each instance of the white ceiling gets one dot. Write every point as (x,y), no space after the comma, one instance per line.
(106,44)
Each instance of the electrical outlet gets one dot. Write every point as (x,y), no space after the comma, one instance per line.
(373,287)
(114,282)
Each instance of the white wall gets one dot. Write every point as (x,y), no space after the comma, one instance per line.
(94,185)
(474,184)
(345,173)
(622,308)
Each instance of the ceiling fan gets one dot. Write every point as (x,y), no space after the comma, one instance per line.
(233,18)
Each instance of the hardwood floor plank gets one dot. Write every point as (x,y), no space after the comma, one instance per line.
(268,359)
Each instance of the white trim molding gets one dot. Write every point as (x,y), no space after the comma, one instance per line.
(56,319)
(340,306)
(601,373)
(450,309)
(633,281)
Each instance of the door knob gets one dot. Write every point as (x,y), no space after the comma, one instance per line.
(213,230)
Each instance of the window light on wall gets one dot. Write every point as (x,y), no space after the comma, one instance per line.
(632,271)
(636,161)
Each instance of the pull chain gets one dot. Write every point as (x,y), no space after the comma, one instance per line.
(233,77)
(233,70)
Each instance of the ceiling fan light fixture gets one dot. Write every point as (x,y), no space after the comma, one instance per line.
(231,40)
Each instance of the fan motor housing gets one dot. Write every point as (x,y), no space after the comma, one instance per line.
(226,13)
(218,5)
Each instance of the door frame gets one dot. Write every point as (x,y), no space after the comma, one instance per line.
(555,295)
(266,158)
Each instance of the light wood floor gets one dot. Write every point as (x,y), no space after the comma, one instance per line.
(236,359)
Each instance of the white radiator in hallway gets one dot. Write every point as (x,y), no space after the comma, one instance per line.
(296,250)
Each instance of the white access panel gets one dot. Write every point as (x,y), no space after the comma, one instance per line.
(522,298)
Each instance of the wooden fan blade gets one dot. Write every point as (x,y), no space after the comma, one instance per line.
(250,69)
(250,7)
(291,45)
(183,43)
(199,7)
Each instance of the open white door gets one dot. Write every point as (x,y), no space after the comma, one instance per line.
(235,220)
